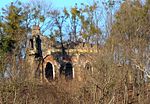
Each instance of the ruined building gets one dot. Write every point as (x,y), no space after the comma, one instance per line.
(47,62)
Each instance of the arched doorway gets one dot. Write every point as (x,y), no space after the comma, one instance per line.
(69,71)
(49,71)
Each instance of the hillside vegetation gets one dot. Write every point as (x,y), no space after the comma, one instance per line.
(121,68)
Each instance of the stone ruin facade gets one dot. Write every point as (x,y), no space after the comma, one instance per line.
(47,62)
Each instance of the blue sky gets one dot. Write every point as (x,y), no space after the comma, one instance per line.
(58,4)
(55,3)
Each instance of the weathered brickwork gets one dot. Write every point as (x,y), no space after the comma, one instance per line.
(47,62)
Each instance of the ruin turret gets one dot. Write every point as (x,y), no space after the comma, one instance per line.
(34,52)
(35,42)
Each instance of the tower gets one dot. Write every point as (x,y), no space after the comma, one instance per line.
(35,42)
(34,53)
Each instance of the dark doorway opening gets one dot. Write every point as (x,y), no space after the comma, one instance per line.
(49,71)
(69,71)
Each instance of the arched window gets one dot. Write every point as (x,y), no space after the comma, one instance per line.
(88,66)
(31,44)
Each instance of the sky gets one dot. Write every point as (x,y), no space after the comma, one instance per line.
(59,4)
(55,3)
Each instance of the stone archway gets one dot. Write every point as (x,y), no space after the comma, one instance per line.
(49,71)
(69,71)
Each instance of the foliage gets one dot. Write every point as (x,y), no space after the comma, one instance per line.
(122,60)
